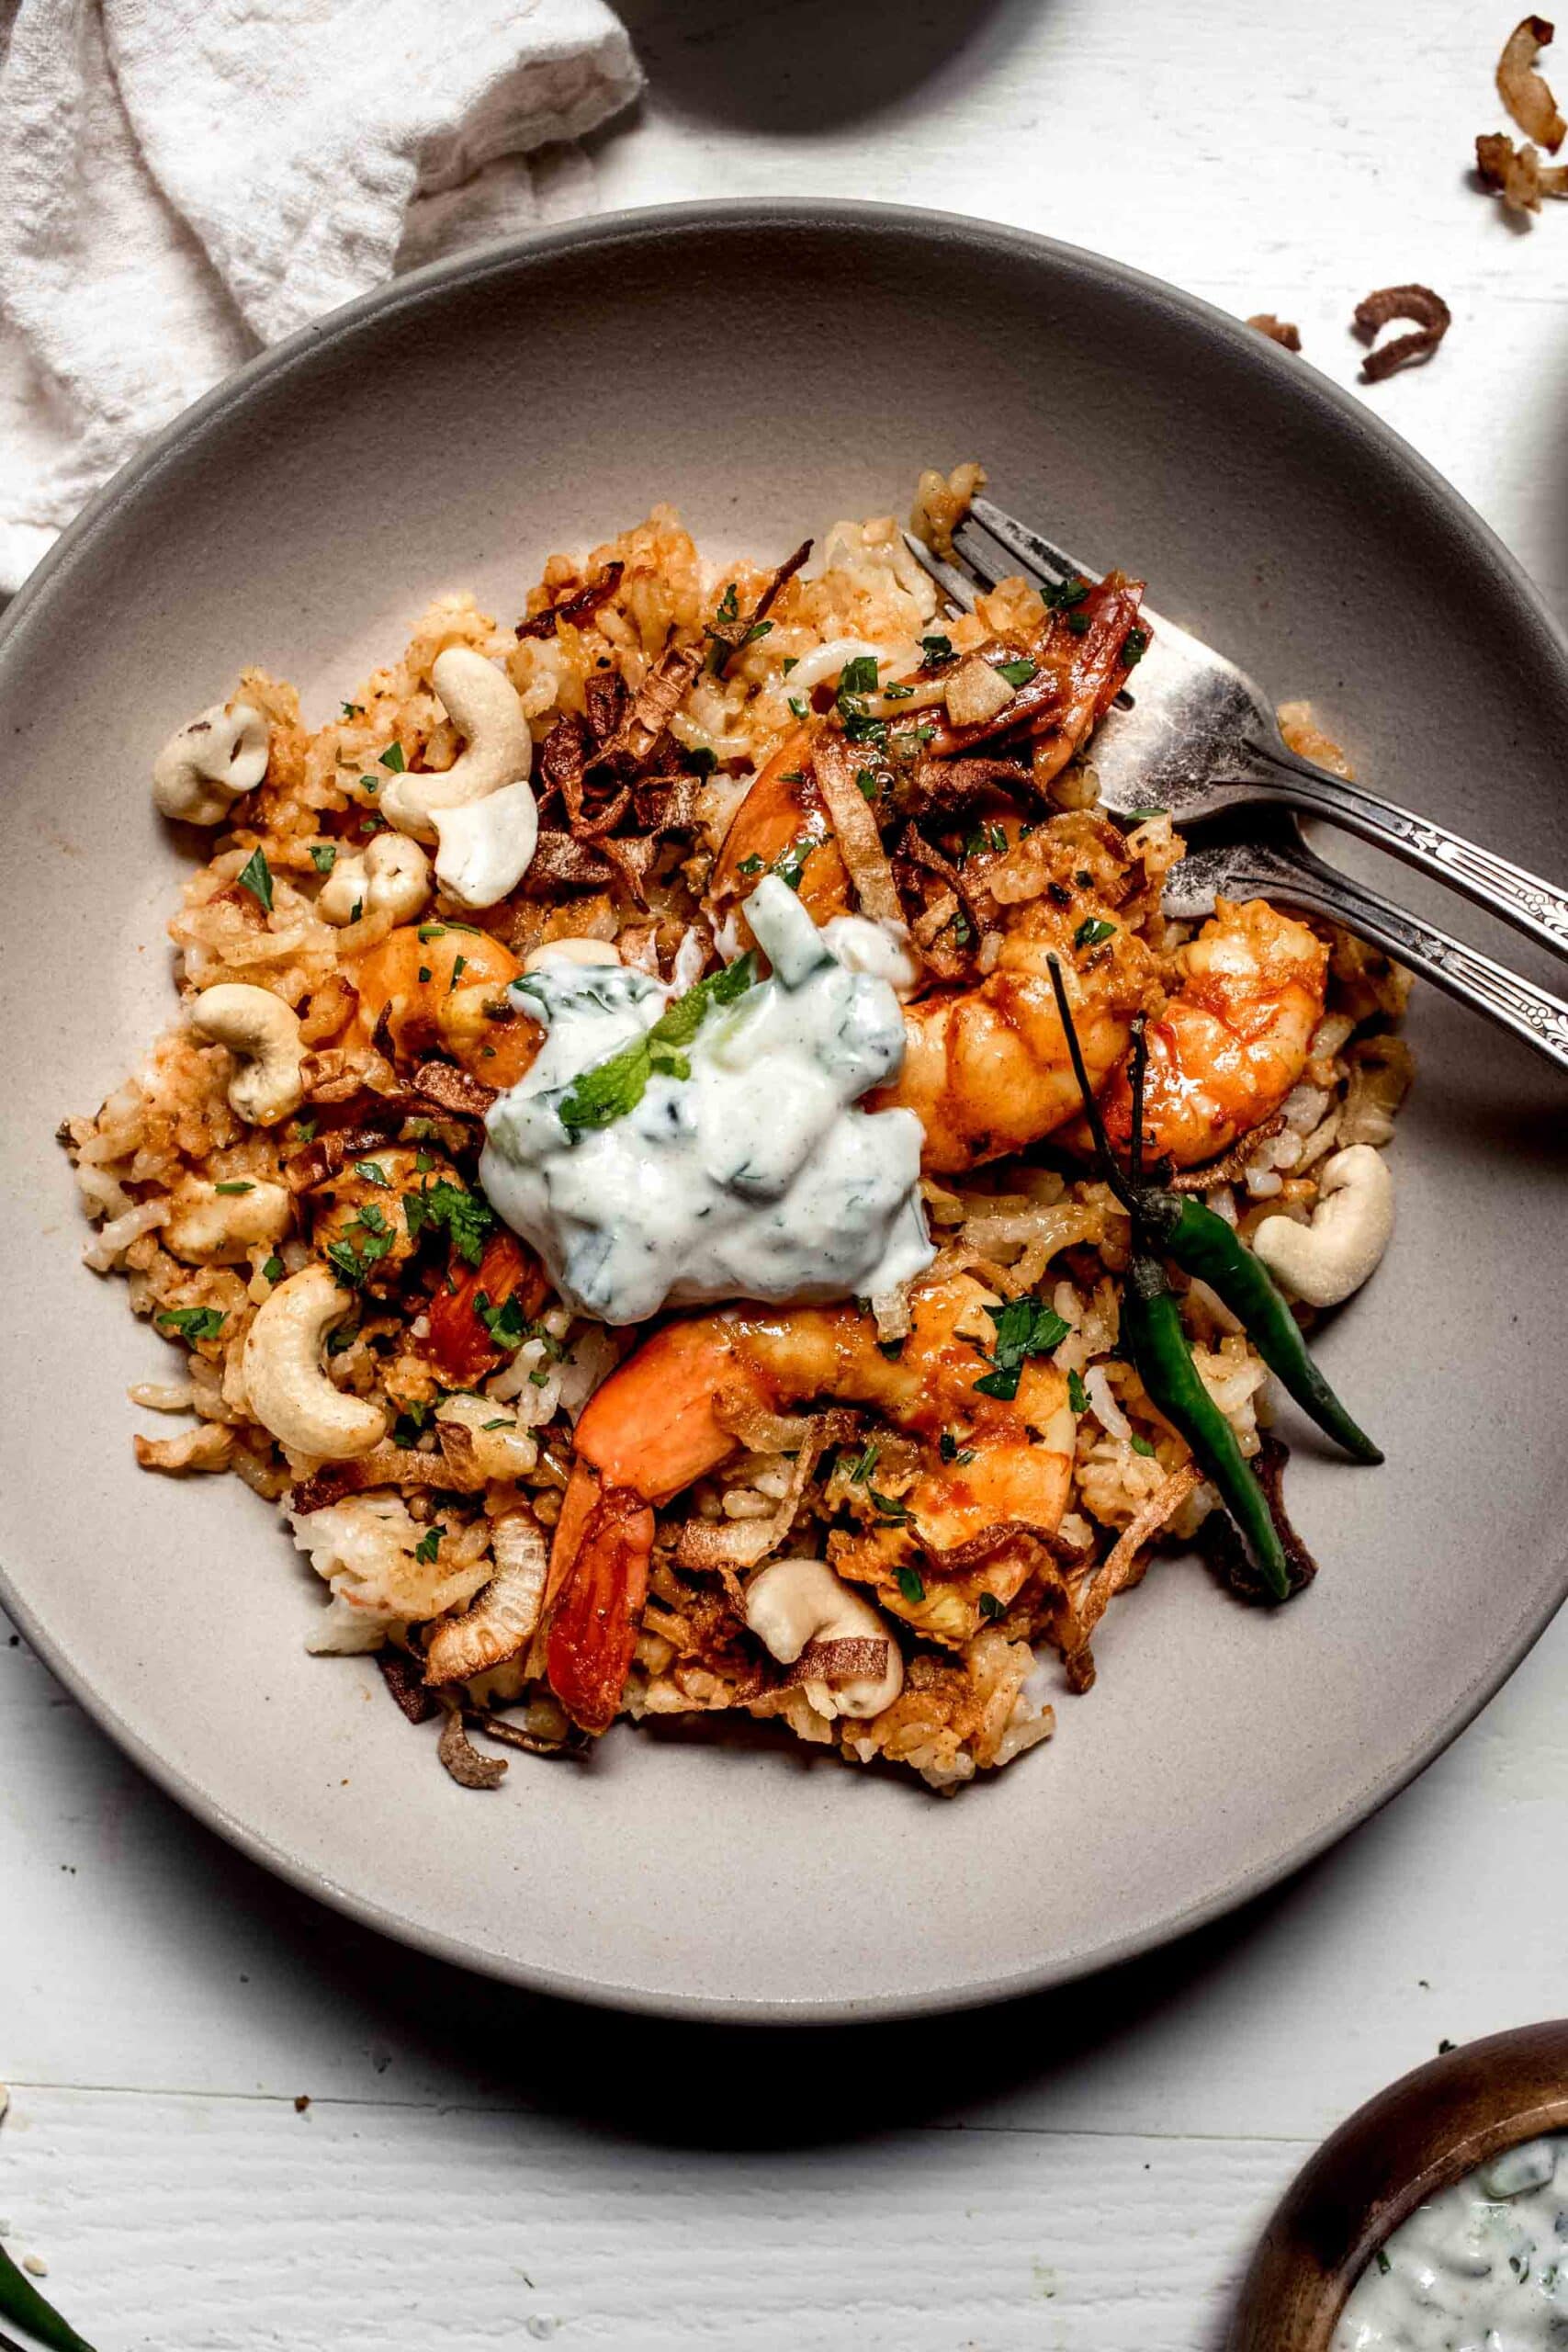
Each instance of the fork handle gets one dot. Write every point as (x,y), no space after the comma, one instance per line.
(1537,907)
(1304,880)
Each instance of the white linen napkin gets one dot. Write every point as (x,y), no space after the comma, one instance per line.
(181,181)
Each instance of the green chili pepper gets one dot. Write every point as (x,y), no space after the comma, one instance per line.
(1151,1328)
(1204,1245)
(1152,1333)
(20,2300)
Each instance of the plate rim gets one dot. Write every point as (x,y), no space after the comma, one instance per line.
(472,266)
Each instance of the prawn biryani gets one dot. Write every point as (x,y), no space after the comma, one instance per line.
(693,1170)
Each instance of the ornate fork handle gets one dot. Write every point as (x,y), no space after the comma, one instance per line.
(1537,908)
(1302,880)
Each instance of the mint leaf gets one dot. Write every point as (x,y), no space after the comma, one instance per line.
(606,1093)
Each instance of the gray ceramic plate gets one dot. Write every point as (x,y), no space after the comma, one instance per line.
(769,368)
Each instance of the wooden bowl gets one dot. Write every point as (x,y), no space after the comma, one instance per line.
(1419,2136)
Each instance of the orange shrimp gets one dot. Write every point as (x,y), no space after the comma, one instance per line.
(655,1427)
(435,985)
(1235,1038)
(785,818)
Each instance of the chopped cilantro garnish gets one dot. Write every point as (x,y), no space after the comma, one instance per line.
(1019,672)
(429,1545)
(466,1218)
(255,876)
(909,1584)
(867,1463)
(1077,1394)
(356,911)
(424,972)
(499,1423)
(947,1445)
(324,857)
(963,931)
(867,782)
(797,705)
(1135,644)
(1093,932)
(990,1606)
(506,1324)
(791,661)
(889,1506)
(729,605)
(352,710)
(611,1089)
(192,1323)
(1066,595)
(239,1184)
(409,1424)
(392,757)
(861,728)
(893,691)
(858,675)
(303,1130)
(373,1173)
(1142,1445)
(752,865)
(1079,624)
(459,965)
(370,784)
(273,1271)
(791,863)
(351,1264)
(937,650)
(1025,1327)
(757,630)
(428,931)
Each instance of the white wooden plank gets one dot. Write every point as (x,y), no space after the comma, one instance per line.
(228,2225)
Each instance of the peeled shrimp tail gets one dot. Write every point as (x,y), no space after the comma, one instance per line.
(599,1573)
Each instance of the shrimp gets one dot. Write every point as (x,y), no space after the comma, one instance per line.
(1233,1039)
(443,987)
(782,825)
(986,1068)
(991,1484)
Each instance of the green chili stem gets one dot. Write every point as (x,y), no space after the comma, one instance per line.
(20,2300)
(1151,1329)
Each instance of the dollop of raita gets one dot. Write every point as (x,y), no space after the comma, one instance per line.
(732,1165)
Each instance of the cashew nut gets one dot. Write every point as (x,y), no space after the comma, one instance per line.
(488,845)
(793,1602)
(475,857)
(571,951)
(287,1390)
(266,1033)
(203,769)
(1325,1261)
(391,875)
(209,1224)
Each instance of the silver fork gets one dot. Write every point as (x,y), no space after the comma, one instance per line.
(1196,736)
(1187,782)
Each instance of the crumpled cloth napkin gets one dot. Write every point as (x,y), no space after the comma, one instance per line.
(181,181)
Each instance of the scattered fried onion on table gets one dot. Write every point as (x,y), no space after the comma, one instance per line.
(1432,317)
(1277,331)
(1522,89)
(1518,174)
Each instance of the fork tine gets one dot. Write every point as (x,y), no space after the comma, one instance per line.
(1025,546)
(958,590)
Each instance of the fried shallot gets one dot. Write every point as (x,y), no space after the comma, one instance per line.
(1432,317)
(1522,89)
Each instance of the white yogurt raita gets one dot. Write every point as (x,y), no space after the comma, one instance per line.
(1482,2267)
(742,1170)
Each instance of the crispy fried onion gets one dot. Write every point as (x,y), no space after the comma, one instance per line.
(1432,317)
(860,843)
(1224,1548)
(404,1678)
(1277,331)
(1518,174)
(931,927)
(580,606)
(454,1089)
(503,1616)
(569,1742)
(747,1543)
(1521,88)
(462,1760)
(1231,1166)
(561,864)
(842,1661)
(324,1156)
(733,635)
(654,704)
(951,787)
(401,1466)
(1123,1564)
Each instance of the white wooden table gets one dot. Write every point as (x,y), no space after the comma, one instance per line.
(475,2169)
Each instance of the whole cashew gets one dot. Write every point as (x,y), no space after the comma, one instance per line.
(571,951)
(392,874)
(793,1602)
(1325,1261)
(487,846)
(288,1391)
(206,1225)
(495,763)
(203,769)
(266,1033)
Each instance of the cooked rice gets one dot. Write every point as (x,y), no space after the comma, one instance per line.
(460,1465)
